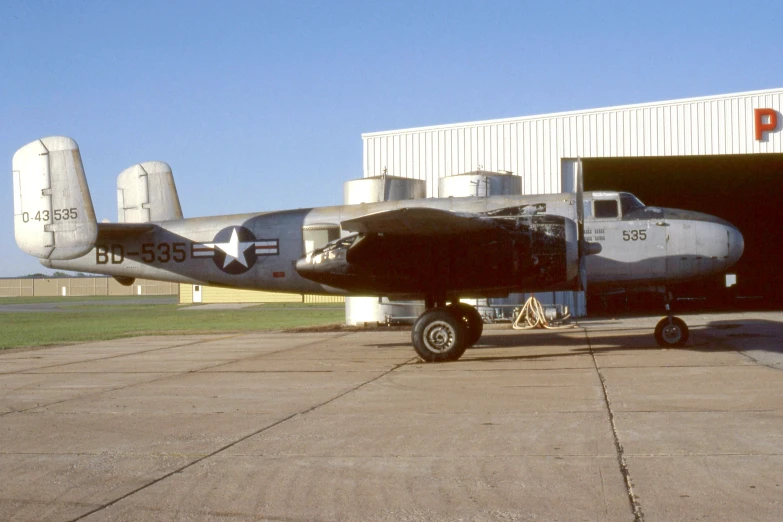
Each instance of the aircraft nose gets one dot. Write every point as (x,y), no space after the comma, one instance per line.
(736,244)
(304,265)
(699,244)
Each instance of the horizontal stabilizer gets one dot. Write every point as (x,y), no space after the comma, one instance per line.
(418,221)
(53,212)
(123,230)
(146,192)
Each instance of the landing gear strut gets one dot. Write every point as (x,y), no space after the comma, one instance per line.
(443,333)
(671,331)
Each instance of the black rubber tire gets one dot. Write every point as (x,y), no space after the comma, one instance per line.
(439,336)
(472,319)
(671,332)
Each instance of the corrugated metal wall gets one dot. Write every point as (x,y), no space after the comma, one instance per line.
(532,147)
(540,148)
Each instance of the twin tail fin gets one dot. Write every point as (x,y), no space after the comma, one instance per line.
(54,218)
(53,213)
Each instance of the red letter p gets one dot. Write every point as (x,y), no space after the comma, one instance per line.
(762,127)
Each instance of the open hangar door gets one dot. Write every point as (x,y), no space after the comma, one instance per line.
(746,190)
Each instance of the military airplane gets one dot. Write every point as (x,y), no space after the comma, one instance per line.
(436,250)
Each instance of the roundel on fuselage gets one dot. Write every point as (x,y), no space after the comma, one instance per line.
(235,250)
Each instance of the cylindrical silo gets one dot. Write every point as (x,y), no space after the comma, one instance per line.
(481,184)
(362,310)
(382,188)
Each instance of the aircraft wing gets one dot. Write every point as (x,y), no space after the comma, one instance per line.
(419,222)
(416,251)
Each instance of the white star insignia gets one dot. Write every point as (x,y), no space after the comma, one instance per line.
(234,249)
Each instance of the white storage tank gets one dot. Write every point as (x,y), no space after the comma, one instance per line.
(363,310)
(382,188)
(481,184)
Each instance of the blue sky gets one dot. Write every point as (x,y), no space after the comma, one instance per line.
(261,105)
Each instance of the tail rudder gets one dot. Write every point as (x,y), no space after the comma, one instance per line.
(53,213)
(146,192)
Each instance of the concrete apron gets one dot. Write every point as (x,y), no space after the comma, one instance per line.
(595,423)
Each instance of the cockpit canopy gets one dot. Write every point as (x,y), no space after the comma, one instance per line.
(620,205)
(629,203)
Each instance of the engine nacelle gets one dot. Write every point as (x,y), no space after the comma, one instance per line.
(524,253)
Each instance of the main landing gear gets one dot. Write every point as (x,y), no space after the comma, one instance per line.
(443,333)
(671,331)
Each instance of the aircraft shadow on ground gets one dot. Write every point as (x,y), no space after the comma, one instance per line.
(711,338)
(578,345)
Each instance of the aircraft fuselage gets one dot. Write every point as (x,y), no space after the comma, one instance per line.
(639,245)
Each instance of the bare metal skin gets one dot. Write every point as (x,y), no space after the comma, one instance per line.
(438,250)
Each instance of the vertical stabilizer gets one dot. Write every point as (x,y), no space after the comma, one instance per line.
(53,213)
(146,192)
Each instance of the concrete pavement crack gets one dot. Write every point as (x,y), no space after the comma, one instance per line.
(241,439)
(33,370)
(168,375)
(636,508)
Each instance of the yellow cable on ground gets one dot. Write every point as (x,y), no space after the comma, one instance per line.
(532,316)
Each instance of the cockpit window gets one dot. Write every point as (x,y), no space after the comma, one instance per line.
(629,203)
(605,208)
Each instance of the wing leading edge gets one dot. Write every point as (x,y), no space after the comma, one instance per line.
(419,222)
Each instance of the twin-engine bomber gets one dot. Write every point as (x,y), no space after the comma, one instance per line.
(436,250)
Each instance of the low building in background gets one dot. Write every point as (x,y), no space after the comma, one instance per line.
(194,294)
(107,286)
(81,286)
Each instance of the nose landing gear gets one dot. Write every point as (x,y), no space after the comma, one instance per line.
(671,331)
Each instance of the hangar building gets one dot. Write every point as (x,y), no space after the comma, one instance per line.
(722,155)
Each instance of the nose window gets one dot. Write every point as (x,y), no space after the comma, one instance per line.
(603,209)
(316,236)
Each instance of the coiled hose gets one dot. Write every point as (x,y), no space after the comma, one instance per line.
(532,316)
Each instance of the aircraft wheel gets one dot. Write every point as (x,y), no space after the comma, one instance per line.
(472,319)
(671,331)
(439,336)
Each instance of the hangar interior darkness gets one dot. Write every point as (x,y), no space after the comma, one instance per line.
(746,190)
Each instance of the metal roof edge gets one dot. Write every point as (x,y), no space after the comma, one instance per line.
(570,113)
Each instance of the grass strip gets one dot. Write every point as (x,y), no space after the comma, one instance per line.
(92,323)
